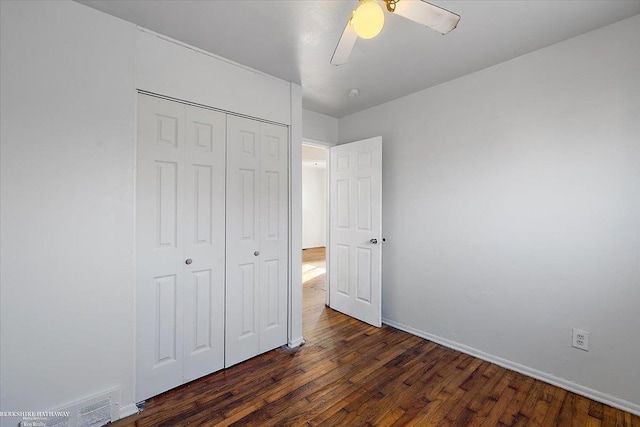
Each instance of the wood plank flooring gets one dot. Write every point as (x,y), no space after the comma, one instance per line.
(352,374)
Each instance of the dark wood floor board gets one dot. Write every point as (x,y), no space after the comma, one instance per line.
(359,409)
(430,382)
(613,418)
(494,376)
(539,412)
(500,393)
(352,374)
(596,410)
(469,388)
(303,410)
(581,411)
(566,414)
(377,364)
(450,395)
(389,418)
(404,376)
(555,401)
(323,407)
(460,376)
(337,407)
(593,422)
(410,411)
(427,390)
(453,401)
(522,384)
(526,410)
(465,417)
(427,415)
(336,419)
(492,417)
(399,395)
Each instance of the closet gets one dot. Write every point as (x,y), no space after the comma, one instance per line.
(211,241)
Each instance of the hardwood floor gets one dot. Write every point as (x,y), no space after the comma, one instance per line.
(352,374)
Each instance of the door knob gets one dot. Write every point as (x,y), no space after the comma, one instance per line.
(188,261)
(374,241)
(256,253)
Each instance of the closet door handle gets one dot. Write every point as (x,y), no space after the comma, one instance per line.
(256,253)
(188,261)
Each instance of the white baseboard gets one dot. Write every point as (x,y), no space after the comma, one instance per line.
(598,396)
(127,410)
(296,342)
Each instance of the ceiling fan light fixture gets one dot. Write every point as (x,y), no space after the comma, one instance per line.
(368,19)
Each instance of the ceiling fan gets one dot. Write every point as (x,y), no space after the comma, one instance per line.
(367,19)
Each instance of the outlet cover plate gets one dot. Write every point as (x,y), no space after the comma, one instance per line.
(580,339)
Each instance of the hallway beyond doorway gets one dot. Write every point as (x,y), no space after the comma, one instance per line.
(314,285)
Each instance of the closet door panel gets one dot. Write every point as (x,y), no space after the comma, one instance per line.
(180,239)
(159,245)
(257,238)
(274,237)
(242,338)
(204,237)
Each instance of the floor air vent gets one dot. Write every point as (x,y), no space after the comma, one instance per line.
(96,414)
(92,412)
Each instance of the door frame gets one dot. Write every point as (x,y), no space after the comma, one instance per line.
(327,146)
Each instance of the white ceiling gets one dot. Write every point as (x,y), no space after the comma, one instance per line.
(294,40)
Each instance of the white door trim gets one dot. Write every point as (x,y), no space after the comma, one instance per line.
(327,146)
(317,143)
(294,320)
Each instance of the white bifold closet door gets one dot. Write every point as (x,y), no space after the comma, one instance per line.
(257,238)
(180,244)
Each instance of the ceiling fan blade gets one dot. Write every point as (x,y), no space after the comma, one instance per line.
(427,14)
(345,45)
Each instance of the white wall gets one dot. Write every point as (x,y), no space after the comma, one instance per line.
(319,127)
(314,206)
(67,267)
(164,66)
(512,211)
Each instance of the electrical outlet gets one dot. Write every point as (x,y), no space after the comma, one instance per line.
(580,339)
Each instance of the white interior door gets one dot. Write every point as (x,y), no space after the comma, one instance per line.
(180,215)
(257,238)
(355,235)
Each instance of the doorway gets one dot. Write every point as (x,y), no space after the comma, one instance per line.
(351,232)
(314,226)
